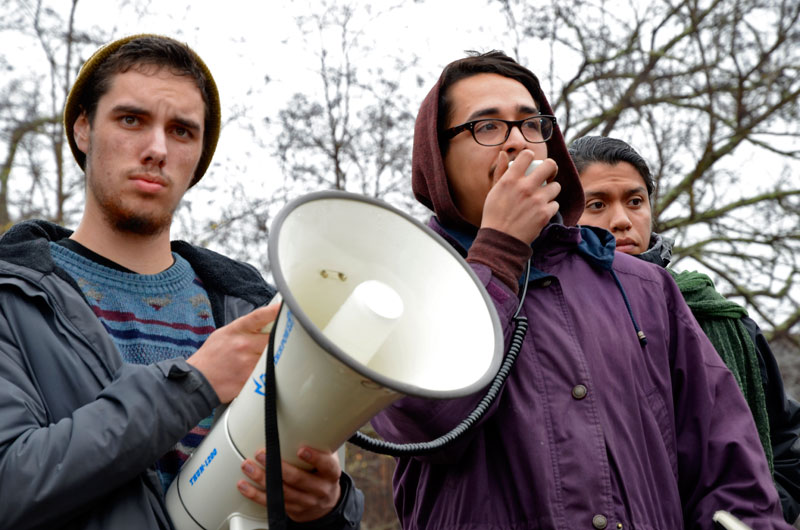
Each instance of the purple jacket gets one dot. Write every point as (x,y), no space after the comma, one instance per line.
(593,429)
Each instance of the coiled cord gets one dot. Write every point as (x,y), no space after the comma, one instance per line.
(424,448)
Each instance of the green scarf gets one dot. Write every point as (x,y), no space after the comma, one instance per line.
(721,321)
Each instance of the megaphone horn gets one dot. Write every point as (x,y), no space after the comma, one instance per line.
(376,306)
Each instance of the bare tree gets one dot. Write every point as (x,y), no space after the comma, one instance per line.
(699,87)
(349,129)
(33,178)
(355,132)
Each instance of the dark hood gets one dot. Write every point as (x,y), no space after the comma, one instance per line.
(659,251)
(429,180)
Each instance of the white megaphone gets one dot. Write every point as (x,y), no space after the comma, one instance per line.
(376,306)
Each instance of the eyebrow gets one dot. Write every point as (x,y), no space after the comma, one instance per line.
(482,113)
(602,194)
(132,109)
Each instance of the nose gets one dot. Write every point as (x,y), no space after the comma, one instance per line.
(155,150)
(620,222)
(515,141)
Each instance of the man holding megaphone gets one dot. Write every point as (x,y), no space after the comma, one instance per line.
(116,344)
(618,412)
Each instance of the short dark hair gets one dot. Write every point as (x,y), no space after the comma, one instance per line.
(592,149)
(493,62)
(144,51)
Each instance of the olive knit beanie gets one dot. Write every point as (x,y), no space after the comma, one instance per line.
(72,108)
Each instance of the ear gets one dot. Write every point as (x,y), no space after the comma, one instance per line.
(80,132)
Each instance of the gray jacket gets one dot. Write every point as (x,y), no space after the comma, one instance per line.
(79,428)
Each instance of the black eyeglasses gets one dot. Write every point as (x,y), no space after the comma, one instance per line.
(493,131)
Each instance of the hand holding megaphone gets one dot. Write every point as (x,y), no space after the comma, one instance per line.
(230,353)
(308,495)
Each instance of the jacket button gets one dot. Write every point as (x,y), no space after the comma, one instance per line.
(579,392)
(546,283)
(599,522)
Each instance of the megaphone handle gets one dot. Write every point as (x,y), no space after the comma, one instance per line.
(276,511)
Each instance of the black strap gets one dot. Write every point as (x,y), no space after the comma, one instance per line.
(276,512)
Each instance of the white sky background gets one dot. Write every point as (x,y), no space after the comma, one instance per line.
(244,41)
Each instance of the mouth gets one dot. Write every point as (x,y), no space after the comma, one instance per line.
(627,245)
(149,183)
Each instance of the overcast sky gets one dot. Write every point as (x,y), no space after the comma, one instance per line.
(243,41)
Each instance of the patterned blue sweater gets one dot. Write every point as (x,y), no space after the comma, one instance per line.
(150,317)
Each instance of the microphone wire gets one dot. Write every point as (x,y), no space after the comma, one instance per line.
(384,447)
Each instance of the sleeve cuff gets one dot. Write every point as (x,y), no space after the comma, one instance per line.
(503,254)
(189,377)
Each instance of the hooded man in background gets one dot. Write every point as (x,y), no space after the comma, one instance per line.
(612,416)
(619,187)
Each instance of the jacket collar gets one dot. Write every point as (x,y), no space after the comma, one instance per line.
(595,245)
(28,244)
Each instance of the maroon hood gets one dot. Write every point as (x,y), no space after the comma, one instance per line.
(429,180)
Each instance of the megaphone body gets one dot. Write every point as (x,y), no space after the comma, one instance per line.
(375,307)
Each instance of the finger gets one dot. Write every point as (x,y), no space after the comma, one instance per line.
(306,505)
(524,164)
(255,473)
(553,188)
(254,321)
(326,464)
(251,492)
(299,499)
(296,477)
(310,482)
(544,173)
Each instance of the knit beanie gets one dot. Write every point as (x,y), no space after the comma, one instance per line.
(72,108)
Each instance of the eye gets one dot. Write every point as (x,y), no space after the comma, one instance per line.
(533,124)
(182,132)
(595,205)
(635,202)
(130,121)
(487,126)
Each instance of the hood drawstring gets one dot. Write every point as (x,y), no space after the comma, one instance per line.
(639,333)
(597,247)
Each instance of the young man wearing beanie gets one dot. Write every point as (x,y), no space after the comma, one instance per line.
(117,344)
(617,413)
(619,187)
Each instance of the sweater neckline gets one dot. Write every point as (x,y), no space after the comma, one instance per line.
(174,278)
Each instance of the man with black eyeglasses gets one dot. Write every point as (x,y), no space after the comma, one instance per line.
(612,415)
